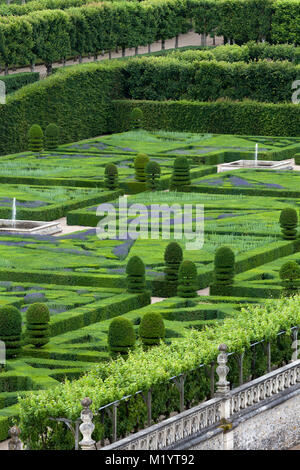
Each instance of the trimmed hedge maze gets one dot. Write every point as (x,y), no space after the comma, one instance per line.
(82,279)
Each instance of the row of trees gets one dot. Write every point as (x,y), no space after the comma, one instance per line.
(53,35)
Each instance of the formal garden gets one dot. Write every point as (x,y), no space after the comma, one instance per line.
(108,318)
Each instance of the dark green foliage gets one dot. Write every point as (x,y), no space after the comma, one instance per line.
(219,117)
(35,138)
(17,80)
(187,280)
(111,176)
(37,324)
(289,222)
(140,162)
(152,328)
(135,271)
(136,118)
(121,336)
(224,266)
(10,330)
(51,137)
(289,273)
(173,257)
(181,174)
(152,170)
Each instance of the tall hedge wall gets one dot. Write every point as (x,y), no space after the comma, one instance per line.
(228,117)
(78,100)
(164,78)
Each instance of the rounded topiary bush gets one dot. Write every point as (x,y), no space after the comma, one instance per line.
(289,222)
(135,271)
(121,336)
(187,280)
(152,171)
(173,258)
(152,329)
(140,162)
(111,176)
(181,174)
(51,136)
(10,330)
(290,273)
(136,118)
(37,324)
(35,138)
(224,266)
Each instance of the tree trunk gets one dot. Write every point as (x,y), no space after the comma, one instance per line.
(32,67)
(123,51)
(136,50)
(95,57)
(163,45)
(6,70)
(64,61)
(80,59)
(214,40)
(109,54)
(176,41)
(149,48)
(49,69)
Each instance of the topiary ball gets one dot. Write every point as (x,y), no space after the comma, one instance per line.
(224,257)
(290,271)
(52,132)
(37,313)
(121,336)
(10,321)
(173,253)
(135,271)
(35,138)
(187,280)
(136,118)
(152,328)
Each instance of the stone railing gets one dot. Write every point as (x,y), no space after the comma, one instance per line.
(217,412)
(264,387)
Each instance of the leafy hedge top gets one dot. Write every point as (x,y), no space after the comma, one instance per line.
(10,321)
(52,130)
(37,313)
(113,380)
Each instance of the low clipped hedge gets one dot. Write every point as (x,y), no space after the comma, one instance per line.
(15,81)
(142,370)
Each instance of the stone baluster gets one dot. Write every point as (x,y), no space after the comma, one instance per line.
(15,441)
(223,386)
(295,355)
(87,427)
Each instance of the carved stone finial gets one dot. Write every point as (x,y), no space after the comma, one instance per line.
(15,442)
(87,427)
(222,371)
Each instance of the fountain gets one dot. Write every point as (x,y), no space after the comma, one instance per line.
(253,164)
(30,227)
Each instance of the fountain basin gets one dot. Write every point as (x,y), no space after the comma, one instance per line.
(30,227)
(259,164)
